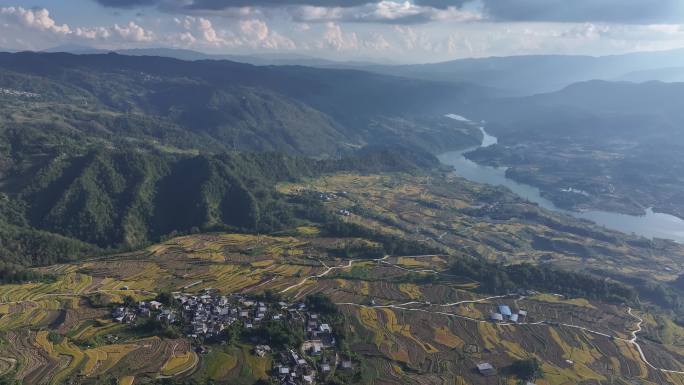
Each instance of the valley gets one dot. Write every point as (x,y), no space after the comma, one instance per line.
(406,318)
(212,222)
(607,146)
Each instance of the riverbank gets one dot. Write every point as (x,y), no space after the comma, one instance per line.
(650,225)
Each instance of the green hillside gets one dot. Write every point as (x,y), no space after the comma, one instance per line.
(123,199)
(221,105)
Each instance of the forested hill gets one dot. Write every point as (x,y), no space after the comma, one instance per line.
(119,199)
(108,152)
(220,105)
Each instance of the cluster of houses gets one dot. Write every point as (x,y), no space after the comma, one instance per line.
(344,212)
(204,315)
(125,314)
(317,353)
(295,369)
(505,314)
(11,92)
(207,314)
(320,334)
(326,196)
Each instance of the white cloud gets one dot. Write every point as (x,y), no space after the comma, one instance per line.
(34,18)
(133,32)
(256,33)
(248,33)
(187,38)
(39,21)
(208,32)
(337,40)
(256,29)
(96,33)
(377,42)
(389,29)
(386,11)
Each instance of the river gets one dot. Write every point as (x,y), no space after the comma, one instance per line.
(650,225)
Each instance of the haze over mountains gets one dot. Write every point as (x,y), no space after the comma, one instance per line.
(511,76)
(526,75)
(117,151)
(618,143)
(93,106)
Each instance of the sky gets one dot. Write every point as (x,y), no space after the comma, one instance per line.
(391,31)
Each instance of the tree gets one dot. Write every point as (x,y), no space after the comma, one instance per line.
(129,301)
(322,304)
(527,370)
(165,298)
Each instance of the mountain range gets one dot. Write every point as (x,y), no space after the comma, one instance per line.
(511,76)
(110,151)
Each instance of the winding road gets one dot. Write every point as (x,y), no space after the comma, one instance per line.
(351,262)
(632,340)
(403,306)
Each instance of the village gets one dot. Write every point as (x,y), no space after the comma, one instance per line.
(11,92)
(204,317)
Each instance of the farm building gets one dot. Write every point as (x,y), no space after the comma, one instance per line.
(496,317)
(486,369)
(505,310)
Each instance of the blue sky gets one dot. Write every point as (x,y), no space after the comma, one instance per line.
(406,31)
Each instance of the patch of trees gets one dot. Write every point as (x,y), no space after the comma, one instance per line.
(7,380)
(321,304)
(526,370)
(359,251)
(500,279)
(391,244)
(679,283)
(107,200)
(29,247)
(330,314)
(152,326)
(667,296)
(229,335)
(276,334)
(13,273)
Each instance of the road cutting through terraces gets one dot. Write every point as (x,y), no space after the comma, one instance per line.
(403,306)
(351,262)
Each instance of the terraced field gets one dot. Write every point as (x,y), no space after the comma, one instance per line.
(399,328)
(459,216)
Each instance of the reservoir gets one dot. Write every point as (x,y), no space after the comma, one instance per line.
(650,225)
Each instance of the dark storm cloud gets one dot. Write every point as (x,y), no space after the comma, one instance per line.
(621,11)
(224,4)
(618,11)
(441,4)
(127,3)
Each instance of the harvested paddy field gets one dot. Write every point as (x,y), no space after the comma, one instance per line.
(473,219)
(402,328)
